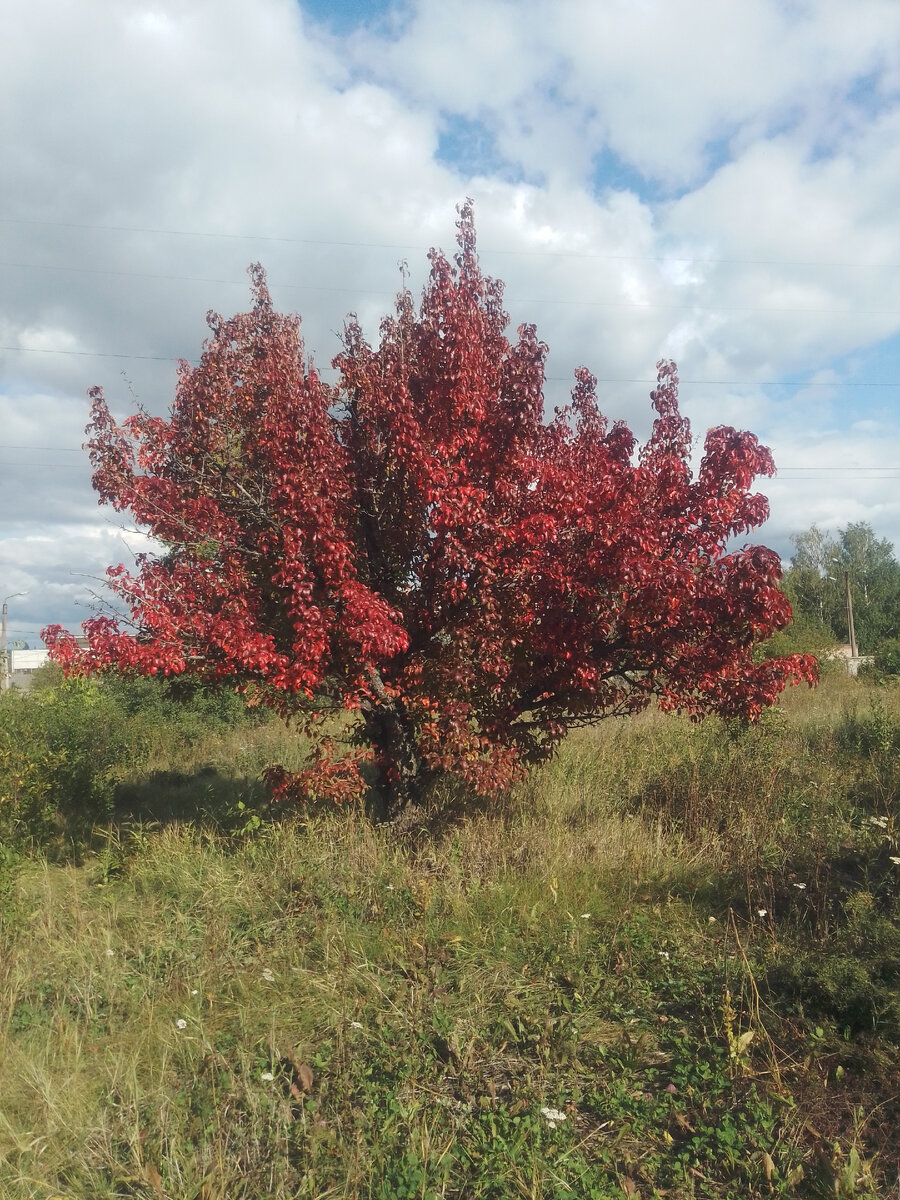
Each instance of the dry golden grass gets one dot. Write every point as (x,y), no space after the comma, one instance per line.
(566,946)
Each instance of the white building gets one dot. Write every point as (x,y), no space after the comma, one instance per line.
(22,666)
(844,654)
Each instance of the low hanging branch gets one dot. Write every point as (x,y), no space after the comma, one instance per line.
(418,546)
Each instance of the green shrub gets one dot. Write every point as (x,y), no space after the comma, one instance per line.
(61,753)
(856,984)
(66,746)
(804,635)
(875,732)
(887,656)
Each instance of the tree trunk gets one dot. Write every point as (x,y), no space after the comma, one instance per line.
(401,785)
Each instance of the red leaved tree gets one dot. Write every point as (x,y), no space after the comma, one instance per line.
(417,546)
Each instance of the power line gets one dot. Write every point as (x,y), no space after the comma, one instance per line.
(788,474)
(537,301)
(97,354)
(17,446)
(873,472)
(308,287)
(791,383)
(853,470)
(543,253)
(31,465)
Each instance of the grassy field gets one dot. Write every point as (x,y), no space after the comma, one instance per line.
(668,965)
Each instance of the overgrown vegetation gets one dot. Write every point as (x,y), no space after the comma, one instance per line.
(822,569)
(416,545)
(71,747)
(666,965)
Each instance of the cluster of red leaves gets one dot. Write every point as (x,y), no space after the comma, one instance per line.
(417,544)
(333,775)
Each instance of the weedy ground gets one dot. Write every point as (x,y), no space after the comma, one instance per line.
(667,965)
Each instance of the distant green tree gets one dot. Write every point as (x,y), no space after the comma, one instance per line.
(50,675)
(874,581)
(814,583)
(887,656)
(810,582)
(806,634)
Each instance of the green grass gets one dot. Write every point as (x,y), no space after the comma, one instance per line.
(316,1007)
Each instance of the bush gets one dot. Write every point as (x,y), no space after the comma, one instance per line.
(854,984)
(804,635)
(887,656)
(61,754)
(67,745)
(179,711)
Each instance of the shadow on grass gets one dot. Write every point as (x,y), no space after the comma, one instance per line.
(204,796)
(446,806)
(225,805)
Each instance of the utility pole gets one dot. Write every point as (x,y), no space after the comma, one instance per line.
(854,652)
(4,660)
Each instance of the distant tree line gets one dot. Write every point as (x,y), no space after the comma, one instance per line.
(815,584)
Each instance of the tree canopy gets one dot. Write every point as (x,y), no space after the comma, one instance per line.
(418,546)
(815,583)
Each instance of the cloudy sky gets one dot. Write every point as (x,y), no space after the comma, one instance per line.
(714,182)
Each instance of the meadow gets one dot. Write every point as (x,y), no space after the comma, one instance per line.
(667,965)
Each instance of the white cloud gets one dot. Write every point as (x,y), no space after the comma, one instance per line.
(657,82)
(778,126)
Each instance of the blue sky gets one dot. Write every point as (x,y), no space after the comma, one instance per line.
(664,178)
(342,17)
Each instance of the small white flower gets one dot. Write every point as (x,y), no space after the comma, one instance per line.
(800,886)
(663,954)
(552,1116)
(356,1025)
(762,912)
(110,954)
(181,1023)
(585,916)
(194,992)
(267,1077)
(390,887)
(268,975)
(881,822)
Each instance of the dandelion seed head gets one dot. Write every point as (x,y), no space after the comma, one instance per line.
(181,1023)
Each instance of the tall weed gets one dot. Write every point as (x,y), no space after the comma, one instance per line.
(62,752)
(67,748)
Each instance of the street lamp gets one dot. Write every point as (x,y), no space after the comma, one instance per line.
(848,603)
(4,661)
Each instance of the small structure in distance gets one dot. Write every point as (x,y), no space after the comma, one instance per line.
(22,665)
(844,654)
